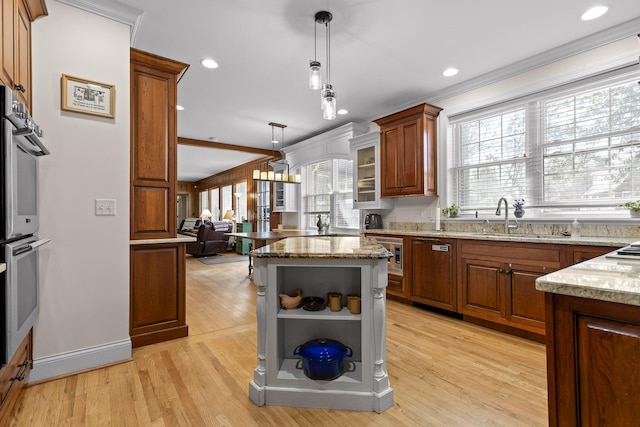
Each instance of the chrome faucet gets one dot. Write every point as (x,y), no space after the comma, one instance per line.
(507,226)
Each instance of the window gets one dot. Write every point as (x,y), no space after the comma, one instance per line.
(214,194)
(241,202)
(227,201)
(568,149)
(204,200)
(327,186)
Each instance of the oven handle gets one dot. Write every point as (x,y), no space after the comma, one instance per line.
(30,246)
(35,146)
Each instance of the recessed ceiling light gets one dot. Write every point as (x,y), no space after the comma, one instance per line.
(450,72)
(342,111)
(179,107)
(209,63)
(594,12)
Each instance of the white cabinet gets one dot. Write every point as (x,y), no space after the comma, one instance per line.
(285,194)
(365,151)
(279,379)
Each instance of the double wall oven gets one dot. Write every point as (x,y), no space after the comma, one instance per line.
(19,241)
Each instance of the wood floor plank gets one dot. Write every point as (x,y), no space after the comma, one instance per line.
(445,372)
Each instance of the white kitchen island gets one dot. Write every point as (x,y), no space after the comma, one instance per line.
(318,265)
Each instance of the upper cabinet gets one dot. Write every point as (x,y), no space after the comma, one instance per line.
(365,151)
(408,152)
(154,141)
(17,16)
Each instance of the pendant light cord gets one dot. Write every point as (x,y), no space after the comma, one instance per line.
(328,31)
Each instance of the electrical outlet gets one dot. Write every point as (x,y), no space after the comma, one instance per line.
(105,207)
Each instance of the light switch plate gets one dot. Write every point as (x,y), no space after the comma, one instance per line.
(105,207)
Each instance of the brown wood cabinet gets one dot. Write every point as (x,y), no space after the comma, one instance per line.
(16,19)
(408,152)
(157,293)
(12,377)
(497,282)
(154,141)
(434,272)
(593,348)
(157,309)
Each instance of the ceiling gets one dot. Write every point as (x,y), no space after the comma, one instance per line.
(385,55)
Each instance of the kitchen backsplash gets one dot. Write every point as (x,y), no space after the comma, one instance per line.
(586,230)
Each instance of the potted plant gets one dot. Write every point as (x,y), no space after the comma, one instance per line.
(451,211)
(634,208)
(518,204)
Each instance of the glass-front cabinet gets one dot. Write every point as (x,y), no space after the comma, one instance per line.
(285,194)
(365,150)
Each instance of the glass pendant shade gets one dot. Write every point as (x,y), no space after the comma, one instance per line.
(315,80)
(328,103)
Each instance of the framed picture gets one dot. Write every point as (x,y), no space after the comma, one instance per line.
(85,96)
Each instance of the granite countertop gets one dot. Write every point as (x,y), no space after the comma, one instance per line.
(324,247)
(603,278)
(180,239)
(531,238)
(3,267)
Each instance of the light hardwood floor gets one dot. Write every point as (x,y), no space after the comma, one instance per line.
(445,372)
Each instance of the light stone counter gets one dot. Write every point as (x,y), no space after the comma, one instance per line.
(602,278)
(179,239)
(531,238)
(3,267)
(325,247)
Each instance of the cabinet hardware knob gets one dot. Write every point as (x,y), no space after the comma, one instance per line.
(21,88)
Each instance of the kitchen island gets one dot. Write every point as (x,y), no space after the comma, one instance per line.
(593,342)
(316,266)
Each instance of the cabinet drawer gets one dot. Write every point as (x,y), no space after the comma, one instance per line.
(12,377)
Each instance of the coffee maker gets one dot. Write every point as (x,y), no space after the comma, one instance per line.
(372,221)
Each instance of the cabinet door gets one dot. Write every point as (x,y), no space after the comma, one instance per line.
(593,348)
(8,24)
(482,283)
(524,303)
(411,166)
(433,273)
(391,155)
(23,55)
(397,287)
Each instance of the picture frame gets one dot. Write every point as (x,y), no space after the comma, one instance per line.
(88,97)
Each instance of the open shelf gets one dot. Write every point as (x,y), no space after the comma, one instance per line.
(325,314)
(289,371)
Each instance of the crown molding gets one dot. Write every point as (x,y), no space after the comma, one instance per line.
(112,10)
(592,41)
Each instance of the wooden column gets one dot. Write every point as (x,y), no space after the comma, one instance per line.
(157,265)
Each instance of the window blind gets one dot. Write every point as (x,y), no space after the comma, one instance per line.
(327,186)
(575,147)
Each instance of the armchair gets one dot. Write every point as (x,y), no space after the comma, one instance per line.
(211,239)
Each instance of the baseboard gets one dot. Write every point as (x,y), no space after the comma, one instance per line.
(79,360)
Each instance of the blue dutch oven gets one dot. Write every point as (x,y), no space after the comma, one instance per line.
(322,358)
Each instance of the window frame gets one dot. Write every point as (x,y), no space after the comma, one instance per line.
(541,208)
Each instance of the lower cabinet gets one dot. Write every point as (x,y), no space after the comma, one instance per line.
(12,377)
(593,348)
(157,309)
(497,282)
(434,273)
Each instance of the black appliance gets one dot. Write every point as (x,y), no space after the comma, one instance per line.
(20,147)
(372,221)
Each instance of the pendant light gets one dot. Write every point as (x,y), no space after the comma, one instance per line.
(315,79)
(327,95)
(267,172)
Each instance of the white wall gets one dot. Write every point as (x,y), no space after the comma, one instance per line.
(423,209)
(84,271)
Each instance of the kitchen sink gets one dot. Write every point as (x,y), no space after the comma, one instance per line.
(522,235)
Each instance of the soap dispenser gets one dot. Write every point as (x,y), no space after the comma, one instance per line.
(575,228)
